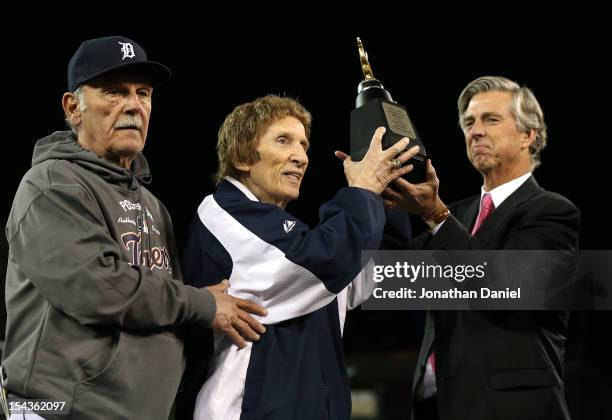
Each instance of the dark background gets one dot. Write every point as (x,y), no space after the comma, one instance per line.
(220,60)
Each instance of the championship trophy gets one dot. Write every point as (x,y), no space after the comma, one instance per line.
(375,108)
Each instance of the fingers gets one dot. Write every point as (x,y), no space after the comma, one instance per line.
(376,143)
(341,155)
(245,330)
(409,154)
(235,337)
(430,171)
(402,185)
(243,327)
(398,147)
(252,322)
(250,307)
(347,162)
(403,170)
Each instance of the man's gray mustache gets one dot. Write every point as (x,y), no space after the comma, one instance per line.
(129,123)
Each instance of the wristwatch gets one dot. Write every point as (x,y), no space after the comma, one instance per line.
(437,218)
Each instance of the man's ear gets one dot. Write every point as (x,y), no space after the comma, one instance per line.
(528,138)
(70,104)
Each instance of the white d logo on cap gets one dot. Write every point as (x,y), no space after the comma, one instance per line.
(127,49)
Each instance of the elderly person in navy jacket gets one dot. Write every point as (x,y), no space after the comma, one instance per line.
(306,278)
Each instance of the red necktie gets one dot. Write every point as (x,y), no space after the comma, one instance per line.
(431,360)
(486,207)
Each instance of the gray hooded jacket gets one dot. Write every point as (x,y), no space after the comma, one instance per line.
(93,288)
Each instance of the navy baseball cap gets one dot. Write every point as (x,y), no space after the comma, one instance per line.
(102,55)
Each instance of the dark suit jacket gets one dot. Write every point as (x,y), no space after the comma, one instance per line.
(502,365)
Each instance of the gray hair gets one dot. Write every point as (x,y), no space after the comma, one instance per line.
(80,96)
(525,109)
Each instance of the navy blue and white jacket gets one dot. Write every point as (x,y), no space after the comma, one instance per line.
(305,278)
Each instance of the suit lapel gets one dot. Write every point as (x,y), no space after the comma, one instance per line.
(467,214)
(426,348)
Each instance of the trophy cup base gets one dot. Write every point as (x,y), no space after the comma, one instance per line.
(418,174)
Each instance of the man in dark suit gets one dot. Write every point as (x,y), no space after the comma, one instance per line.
(493,365)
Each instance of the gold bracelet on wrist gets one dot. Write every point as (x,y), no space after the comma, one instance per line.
(437,218)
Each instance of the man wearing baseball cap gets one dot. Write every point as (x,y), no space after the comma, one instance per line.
(94,291)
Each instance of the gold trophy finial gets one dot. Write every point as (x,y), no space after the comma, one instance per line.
(365,64)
